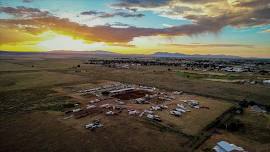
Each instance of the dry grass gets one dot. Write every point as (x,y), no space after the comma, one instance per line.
(249,145)
(25,80)
(169,80)
(193,122)
(45,133)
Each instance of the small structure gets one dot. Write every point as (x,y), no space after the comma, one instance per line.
(141,101)
(133,112)
(266,82)
(224,146)
(105,106)
(90,106)
(180,110)
(175,113)
(109,113)
(177,92)
(115,92)
(76,110)
(94,101)
(193,104)
(156,108)
(181,106)
(95,124)
(258,109)
(153,117)
(163,106)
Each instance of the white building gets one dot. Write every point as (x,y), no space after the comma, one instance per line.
(224,146)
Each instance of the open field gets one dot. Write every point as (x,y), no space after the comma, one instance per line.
(41,64)
(219,75)
(162,78)
(134,75)
(46,133)
(26,80)
(250,145)
(169,80)
(193,122)
(257,126)
(254,135)
(34,101)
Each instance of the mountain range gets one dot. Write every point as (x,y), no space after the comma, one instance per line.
(101,53)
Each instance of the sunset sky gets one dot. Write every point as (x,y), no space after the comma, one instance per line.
(230,27)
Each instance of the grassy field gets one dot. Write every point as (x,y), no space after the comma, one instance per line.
(41,64)
(31,117)
(32,105)
(247,144)
(193,75)
(28,100)
(158,77)
(256,126)
(26,80)
(46,133)
(253,136)
(193,122)
(169,80)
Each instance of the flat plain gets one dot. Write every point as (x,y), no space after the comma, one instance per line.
(35,94)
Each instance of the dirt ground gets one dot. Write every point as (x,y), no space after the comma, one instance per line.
(47,133)
(131,95)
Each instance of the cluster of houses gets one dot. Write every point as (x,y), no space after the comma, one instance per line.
(223,64)
(234,69)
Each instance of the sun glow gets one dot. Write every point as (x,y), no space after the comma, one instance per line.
(55,41)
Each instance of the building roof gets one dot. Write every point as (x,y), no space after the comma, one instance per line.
(121,90)
(225,145)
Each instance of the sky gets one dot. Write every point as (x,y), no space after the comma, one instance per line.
(228,27)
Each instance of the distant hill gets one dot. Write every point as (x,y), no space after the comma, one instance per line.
(101,53)
(7,53)
(60,54)
(97,52)
(180,55)
(168,55)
